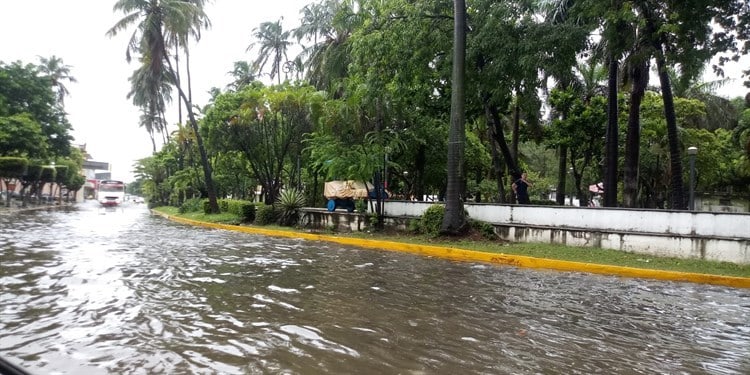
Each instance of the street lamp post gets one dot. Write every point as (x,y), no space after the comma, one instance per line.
(692,151)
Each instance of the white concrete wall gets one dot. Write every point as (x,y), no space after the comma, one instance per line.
(705,235)
(720,224)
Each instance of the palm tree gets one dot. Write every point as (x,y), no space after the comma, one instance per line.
(637,74)
(57,71)
(153,20)
(274,42)
(454,221)
(316,20)
(585,79)
(720,114)
(178,31)
(151,94)
(243,75)
(741,134)
(327,60)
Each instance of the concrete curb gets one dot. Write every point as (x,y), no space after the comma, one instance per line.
(478,256)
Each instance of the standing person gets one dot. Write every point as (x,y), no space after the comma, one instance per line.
(521,188)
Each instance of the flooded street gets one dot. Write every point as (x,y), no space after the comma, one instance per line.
(123,292)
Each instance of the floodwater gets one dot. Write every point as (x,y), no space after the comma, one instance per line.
(123,292)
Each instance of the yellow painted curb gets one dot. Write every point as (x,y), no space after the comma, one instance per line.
(478,256)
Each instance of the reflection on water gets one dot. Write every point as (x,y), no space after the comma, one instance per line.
(122,292)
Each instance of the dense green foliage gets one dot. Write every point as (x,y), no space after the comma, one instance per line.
(354,105)
(13,167)
(34,129)
(369,98)
(266,214)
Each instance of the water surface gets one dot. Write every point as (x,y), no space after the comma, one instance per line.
(123,292)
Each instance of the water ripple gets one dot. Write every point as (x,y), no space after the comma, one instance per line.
(127,293)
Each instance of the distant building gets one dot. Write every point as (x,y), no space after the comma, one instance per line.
(92,171)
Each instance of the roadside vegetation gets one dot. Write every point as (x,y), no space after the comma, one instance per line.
(480,240)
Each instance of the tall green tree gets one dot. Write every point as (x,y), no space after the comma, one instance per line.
(178,33)
(54,68)
(581,132)
(20,135)
(720,113)
(584,78)
(151,18)
(265,125)
(329,25)
(26,92)
(638,75)
(151,93)
(273,43)
(242,75)
(683,34)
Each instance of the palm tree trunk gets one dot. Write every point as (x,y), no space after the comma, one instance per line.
(213,204)
(639,75)
(675,161)
(454,221)
(516,129)
(610,176)
(178,78)
(187,72)
(153,141)
(562,173)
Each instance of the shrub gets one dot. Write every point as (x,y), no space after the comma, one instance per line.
(224,205)
(192,205)
(265,214)
(360,205)
(288,205)
(245,210)
(373,220)
(431,220)
(413,225)
(486,229)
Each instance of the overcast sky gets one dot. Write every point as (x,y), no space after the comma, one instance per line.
(101,115)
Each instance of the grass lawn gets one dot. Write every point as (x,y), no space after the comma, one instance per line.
(539,250)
